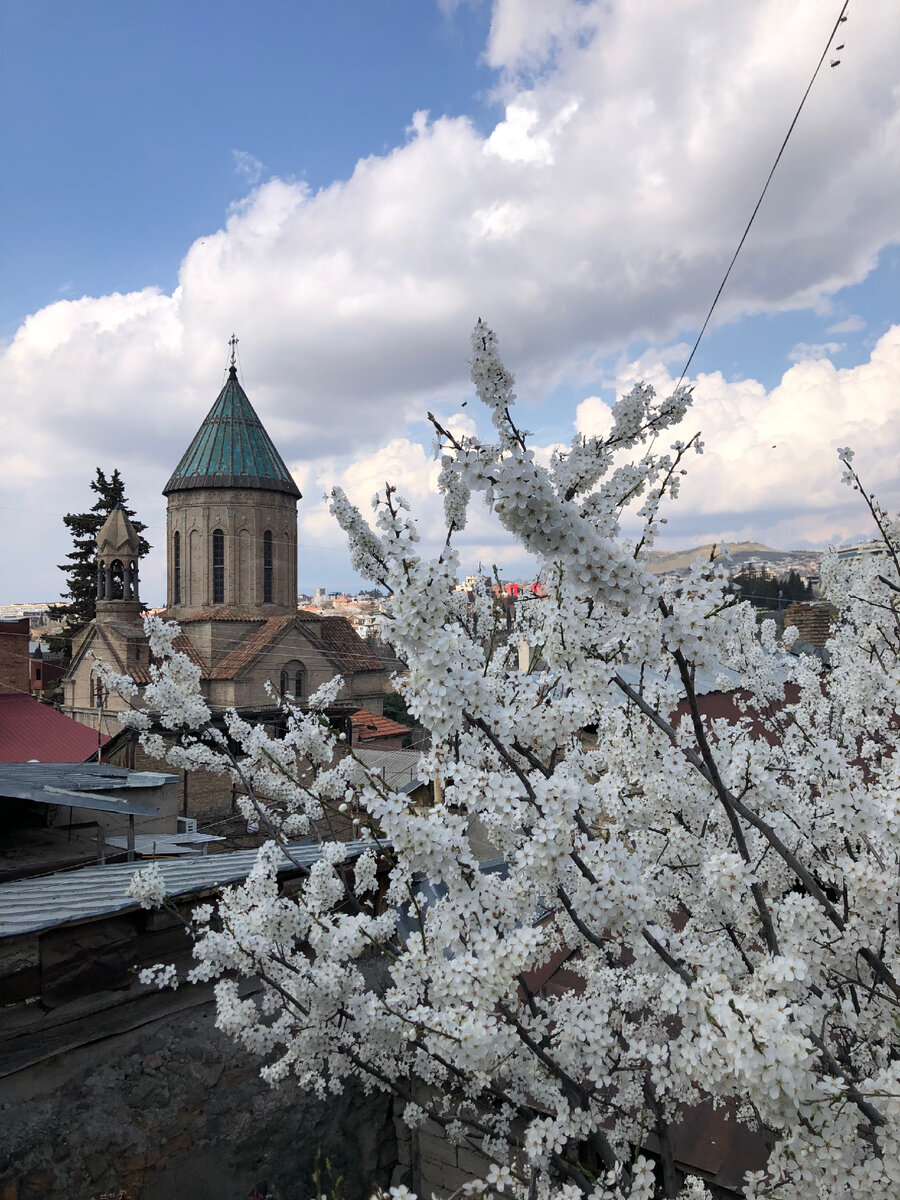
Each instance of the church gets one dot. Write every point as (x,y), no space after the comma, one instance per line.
(231,547)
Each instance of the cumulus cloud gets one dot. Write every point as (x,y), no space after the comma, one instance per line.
(805,352)
(769,472)
(851,324)
(601,208)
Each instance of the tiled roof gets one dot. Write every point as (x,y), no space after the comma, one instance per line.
(242,655)
(368,726)
(29,729)
(221,612)
(339,636)
(184,644)
(141,675)
(232,449)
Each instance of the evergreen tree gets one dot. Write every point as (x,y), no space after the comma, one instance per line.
(80,570)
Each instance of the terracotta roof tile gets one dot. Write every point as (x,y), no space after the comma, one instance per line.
(187,647)
(341,639)
(221,612)
(29,729)
(242,655)
(141,675)
(368,726)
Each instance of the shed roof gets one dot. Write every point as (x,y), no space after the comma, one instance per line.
(27,905)
(399,768)
(77,785)
(31,730)
(232,449)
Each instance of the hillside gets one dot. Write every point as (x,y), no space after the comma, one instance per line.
(680,560)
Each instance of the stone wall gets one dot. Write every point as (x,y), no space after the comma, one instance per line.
(172,1109)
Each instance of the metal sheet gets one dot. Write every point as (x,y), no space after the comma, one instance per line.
(27,905)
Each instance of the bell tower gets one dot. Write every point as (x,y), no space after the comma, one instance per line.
(231,518)
(118,548)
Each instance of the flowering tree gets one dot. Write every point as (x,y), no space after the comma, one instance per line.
(728,890)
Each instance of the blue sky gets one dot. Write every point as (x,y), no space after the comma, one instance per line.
(176,171)
(125,118)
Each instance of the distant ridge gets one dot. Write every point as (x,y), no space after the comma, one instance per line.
(680,560)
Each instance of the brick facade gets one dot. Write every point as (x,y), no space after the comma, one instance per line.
(15,672)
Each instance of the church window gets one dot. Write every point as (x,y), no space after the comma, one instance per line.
(267,567)
(92,691)
(176,569)
(218,558)
(299,684)
(282,683)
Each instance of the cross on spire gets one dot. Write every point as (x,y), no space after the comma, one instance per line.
(232,342)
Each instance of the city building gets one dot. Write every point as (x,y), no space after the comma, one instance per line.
(231,547)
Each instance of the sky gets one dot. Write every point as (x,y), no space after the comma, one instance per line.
(347,186)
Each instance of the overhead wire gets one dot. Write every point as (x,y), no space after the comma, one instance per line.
(841,18)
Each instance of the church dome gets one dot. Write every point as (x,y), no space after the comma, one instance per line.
(231,449)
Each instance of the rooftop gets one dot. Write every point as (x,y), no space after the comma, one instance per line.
(31,904)
(31,730)
(232,449)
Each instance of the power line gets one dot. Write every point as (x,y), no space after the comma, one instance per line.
(841,18)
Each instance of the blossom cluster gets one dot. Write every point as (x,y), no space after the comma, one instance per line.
(722,894)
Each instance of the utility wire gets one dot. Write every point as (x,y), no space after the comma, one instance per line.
(841,17)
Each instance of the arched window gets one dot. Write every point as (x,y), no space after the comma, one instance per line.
(218,558)
(267,567)
(293,680)
(176,568)
(117,578)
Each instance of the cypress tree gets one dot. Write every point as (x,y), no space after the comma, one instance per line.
(81,570)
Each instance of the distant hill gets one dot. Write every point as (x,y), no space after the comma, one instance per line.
(680,560)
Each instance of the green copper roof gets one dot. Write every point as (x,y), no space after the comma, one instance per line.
(231,449)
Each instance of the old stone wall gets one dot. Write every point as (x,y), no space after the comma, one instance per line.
(173,1109)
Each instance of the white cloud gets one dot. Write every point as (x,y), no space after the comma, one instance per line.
(852,324)
(806,352)
(601,208)
(245,164)
(593,417)
(769,472)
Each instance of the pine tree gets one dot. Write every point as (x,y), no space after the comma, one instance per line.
(80,570)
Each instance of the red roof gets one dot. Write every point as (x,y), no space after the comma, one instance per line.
(367,726)
(339,636)
(31,730)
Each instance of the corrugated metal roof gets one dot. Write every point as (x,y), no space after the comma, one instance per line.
(232,449)
(27,905)
(398,768)
(31,730)
(77,785)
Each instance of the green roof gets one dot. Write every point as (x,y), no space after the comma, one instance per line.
(232,449)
